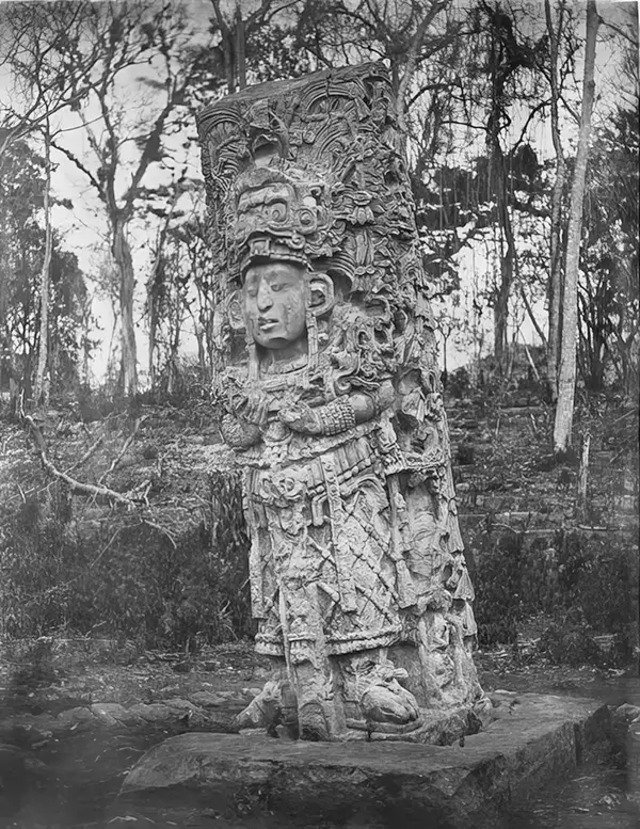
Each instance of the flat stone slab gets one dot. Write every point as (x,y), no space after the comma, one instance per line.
(534,739)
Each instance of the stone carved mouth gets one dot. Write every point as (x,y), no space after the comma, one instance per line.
(267,323)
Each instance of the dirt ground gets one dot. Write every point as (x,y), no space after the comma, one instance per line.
(46,677)
(74,719)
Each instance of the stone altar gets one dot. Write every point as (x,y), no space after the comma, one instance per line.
(327,368)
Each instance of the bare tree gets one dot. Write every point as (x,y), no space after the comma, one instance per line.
(34,39)
(235,32)
(567,374)
(40,386)
(127,39)
(405,34)
(41,87)
(554,292)
(507,55)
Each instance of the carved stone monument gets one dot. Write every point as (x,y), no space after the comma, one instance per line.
(327,365)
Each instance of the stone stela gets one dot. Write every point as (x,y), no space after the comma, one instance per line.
(327,367)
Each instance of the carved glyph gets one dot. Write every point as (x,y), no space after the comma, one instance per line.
(327,366)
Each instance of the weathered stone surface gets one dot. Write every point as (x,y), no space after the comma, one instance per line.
(179,706)
(75,716)
(536,739)
(206,699)
(328,373)
(626,740)
(109,713)
(150,712)
(627,713)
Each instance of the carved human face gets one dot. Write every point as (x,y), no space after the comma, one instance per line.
(275,300)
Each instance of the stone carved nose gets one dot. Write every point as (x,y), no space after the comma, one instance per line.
(264,299)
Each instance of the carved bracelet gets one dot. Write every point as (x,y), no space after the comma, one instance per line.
(337,416)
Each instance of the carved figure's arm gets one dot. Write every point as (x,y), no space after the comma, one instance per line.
(340,415)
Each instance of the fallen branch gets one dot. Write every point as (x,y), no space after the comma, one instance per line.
(86,455)
(126,445)
(162,530)
(100,493)
(106,547)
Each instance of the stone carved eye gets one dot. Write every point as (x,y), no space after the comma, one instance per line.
(306,218)
(292,487)
(278,212)
(264,150)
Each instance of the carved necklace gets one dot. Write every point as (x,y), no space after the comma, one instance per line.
(286,366)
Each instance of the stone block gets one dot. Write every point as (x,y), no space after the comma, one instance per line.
(109,713)
(179,706)
(152,712)
(75,716)
(536,739)
(206,699)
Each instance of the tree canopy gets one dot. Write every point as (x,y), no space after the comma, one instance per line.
(489,94)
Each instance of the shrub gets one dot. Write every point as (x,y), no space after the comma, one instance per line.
(132,580)
(579,585)
(498,605)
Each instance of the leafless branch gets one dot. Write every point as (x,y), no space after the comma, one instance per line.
(606,23)
(412,60)
(123,451)
(100,493)
(73,158)
(86,455)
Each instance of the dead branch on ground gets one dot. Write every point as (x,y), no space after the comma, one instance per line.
(101,493)
(122,452)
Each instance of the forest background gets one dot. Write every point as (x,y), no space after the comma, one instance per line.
(120,513)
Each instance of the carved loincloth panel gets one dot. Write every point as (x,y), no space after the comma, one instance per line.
(323,588)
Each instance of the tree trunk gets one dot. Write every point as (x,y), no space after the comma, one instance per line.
(43,339)
(240,50)
(498,189)
(567,375)
(124,262)
(507,253)
(501,312)
(555,265)
(228,50)
(583,478)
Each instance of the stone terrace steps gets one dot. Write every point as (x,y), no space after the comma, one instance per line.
(502,465)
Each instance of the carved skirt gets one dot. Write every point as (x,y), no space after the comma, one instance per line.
(322,578)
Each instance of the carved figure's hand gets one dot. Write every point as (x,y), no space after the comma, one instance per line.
(239,433)
(255,410)
(302,418)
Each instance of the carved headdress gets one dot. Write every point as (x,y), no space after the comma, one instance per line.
(312,171)
(279,216)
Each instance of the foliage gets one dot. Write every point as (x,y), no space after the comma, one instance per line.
(594,574)
(578,586)
(569,641)
(22,185)
(609,300)
(131,582)
(181,290)
(498,586)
